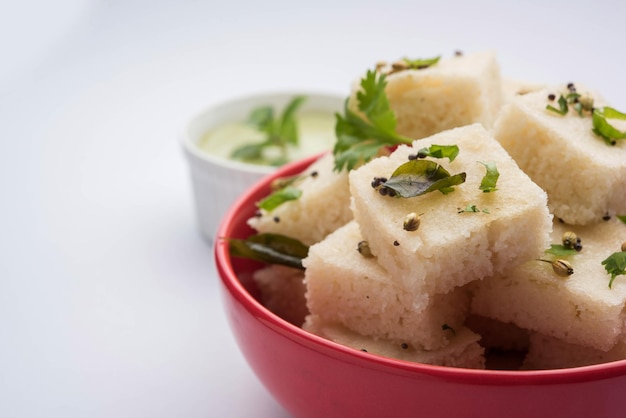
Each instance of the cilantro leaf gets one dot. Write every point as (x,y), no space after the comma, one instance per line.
(288,130)
(563,106)
(248,152)
(560,250)
(439,151)
(262,118)
(279,197)
(615,265)
(603,128)
(270,248)
(418,177)
(278,133)
(360,138)
(621,218)
(488,183)
(421,63)
(472,209)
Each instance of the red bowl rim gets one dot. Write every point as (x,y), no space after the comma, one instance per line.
(234,287)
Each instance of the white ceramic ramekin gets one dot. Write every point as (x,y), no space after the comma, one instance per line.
(218,182)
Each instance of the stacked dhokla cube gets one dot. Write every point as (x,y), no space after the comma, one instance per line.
(476,262)
(411,293)
(577,319)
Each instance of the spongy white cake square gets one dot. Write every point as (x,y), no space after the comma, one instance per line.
(581,308)
(322,207)
(456,91)
(463,350)
(551,353)
(584,177)
(345,287)
(516,87)
(453,246)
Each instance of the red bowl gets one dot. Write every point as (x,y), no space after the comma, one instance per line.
(314,377)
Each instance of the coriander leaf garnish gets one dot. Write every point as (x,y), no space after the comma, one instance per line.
(472,209)
(279,197)
(600,116)
(488,183)
(615,265)
(563,107)
(270,248)
(418,177)
(603,128)
(421,63)
(360,138)
(581,103)
(621,218)
(278,134)
(439,151)
(560,250)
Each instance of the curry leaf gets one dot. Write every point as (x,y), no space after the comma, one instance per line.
(270,248)
(417,177)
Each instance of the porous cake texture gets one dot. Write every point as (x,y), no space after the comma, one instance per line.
(579,309)
(516,87)
(323,206)
(463,350)
(350,289)
(456,91)
(584,177)
(551,353)
(464,235)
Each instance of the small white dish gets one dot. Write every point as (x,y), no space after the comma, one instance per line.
(217,182)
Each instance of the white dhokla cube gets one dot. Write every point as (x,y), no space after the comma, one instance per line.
(453,246)
(347,288)
(551,353)
(323,206)
(585,178)
(456,91)
(463,350)
(579,309)
(512,88)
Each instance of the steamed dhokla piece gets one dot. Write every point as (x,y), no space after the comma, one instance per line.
(322,207)
(514,87)
(580,308)
(584,177)
(457,240)
(551,353)
(462,351)
(282,292)
(348,288)
(456,91)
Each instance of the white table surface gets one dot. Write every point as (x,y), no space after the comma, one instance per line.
(109,303)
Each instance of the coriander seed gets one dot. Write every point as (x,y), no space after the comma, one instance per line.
(411,222)
(363,248)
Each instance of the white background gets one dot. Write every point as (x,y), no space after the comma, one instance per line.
(109,304)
